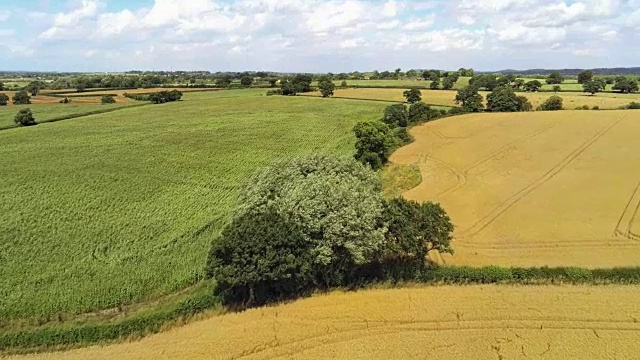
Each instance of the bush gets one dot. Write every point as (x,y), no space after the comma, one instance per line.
(633,106)
(274,92)
(456,111)
(4,99)
(165,96)
(395,115)
(66,100)
(374,141)
(595,107)
(24,118)
(552,104)
(585,107)
(246,81)
(343,84)
(401,134)
(21,98)
(106,99)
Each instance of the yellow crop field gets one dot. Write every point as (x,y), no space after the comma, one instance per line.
(534,189)
(445,322)
(572,100)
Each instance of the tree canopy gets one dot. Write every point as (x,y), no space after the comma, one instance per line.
(504,99)
(470,99)
(413,95)
(326,88)
(374,141)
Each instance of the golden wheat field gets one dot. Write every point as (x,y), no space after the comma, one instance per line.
(534,189)
(572,100)
(442,322)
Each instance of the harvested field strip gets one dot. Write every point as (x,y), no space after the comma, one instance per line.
(540,188)
(52,113)
(437,323)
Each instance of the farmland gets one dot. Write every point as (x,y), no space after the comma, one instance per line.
(47,112)
(442,322)
(110,209)
(446,98)
(534,189)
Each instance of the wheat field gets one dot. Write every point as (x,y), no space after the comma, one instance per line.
(534,189)
(572,100)
(446,322)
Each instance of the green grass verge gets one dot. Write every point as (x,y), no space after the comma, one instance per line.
(396,179)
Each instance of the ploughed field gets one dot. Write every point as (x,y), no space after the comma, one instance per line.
(442,322)
(571,100)
(534,189)
(115,208)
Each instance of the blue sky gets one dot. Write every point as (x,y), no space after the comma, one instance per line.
(317,35)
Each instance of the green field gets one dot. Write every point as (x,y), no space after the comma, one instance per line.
(47,112)
(116,208)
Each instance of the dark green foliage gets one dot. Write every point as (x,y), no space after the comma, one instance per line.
(633,106)
(593,86)
(487,82)
(326,88)
(414,229)
(396,115)
(21,98)
(223,82)
(165,96)
(432,75)
(4,99)
(246,81)
(626,85)
(298,84)
(585,76)
(532,86)
(470,99)
(106,99)
(343,84)
(274,92)
(419,112)
(24,117)
(402,136)
(66,100)
(435,84)
(456,111)
(374,141)
(555,78)
(504,99)
(1,86)
(413,95)
(259,258)
(449,82)
(273,82)
(551,104)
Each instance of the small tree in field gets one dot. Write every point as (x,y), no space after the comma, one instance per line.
(21,98)
(435,84)
(555,78)
(106,99)
(504,99)
(4,99)
(413,95)
(25,118)
(326,88)
(1,86)
(34,87)
(532,86)
(551,104)
(557,89)
(585,76)
(343,84)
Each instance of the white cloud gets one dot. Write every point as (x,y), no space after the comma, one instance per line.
(66,24)
(114,23)
(5,15)
(421,24)
(390,8)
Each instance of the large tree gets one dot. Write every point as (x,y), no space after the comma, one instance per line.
(585,76)
(413,95)
(532,86)
(555,78)
(34,87)
(504,99)
(4,99)
(395,115)
(21,98)
(469,99)
(246,81)
(593,86)
(326,88)
(626,85)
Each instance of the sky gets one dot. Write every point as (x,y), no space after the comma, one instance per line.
(316,35)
